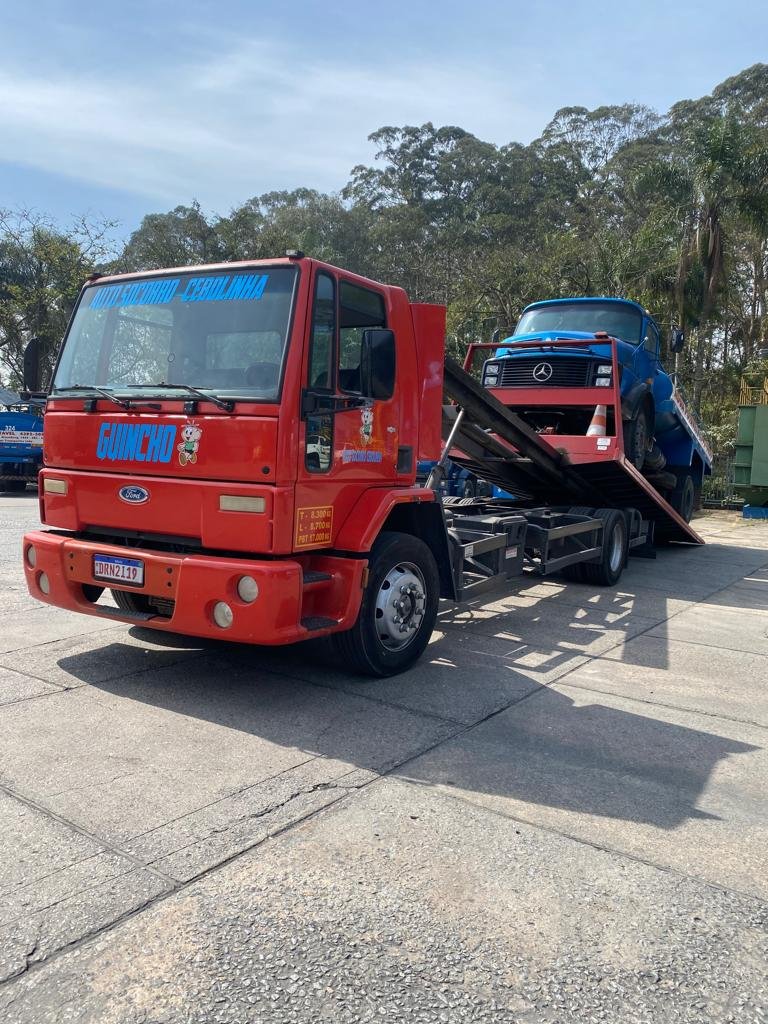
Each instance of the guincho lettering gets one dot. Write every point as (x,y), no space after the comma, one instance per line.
(135,442)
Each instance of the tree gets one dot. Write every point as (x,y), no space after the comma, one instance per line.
(42,269)
(176,239)
(716,189)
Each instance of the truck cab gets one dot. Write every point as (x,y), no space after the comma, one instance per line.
(231,450)
(659,434)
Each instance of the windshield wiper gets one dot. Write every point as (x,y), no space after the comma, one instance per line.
(124,403)
(222,403)
(101,391)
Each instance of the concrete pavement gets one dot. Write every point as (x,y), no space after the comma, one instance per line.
(559,815)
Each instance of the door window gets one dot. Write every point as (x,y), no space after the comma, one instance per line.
(323,334)
(318,443)
(359,308)
(651,339)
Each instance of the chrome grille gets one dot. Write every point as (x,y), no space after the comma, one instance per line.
(566,373)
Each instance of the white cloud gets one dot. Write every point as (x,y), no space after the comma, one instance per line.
(257,116)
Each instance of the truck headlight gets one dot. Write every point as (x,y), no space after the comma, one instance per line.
(491,374)
(603,382)
(53,486)
(604,369)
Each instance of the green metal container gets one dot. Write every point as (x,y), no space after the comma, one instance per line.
(751,461)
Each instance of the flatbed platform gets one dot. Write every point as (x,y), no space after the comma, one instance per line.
(494,442)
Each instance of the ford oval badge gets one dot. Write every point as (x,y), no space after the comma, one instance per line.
(133,495)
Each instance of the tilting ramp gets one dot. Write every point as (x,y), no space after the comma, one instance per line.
(499,446)
(525,465)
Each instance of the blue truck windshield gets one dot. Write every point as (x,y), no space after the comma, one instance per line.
(615,319)
(217,331)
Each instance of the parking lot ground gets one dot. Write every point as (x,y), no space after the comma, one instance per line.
(560,814)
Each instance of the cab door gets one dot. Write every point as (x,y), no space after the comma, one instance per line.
(348,439)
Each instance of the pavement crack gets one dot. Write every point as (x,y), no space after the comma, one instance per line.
(30,953)
(279,805)
(227,796)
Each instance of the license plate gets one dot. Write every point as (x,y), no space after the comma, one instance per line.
(120,570)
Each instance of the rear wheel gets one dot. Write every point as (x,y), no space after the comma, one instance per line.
(398,610)
(607,570)
(636,438)
(683,497)
(468,490)
(574,573)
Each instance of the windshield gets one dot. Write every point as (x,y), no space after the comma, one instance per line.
(612,317)
(220,332)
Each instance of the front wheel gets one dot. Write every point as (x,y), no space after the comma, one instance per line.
(398,610)
(636,438)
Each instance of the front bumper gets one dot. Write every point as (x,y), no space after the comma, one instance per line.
(191,584)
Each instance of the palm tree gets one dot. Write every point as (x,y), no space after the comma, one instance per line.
(712,184)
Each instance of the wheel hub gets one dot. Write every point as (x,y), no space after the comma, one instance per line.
(400,606)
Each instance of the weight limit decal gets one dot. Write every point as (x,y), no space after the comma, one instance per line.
(314,526)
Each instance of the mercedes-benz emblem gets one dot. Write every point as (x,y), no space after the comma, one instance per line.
(542,371)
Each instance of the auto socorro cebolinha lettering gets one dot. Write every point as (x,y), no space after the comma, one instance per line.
(137,442)
(211,288)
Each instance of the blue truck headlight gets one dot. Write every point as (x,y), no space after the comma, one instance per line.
(491,374)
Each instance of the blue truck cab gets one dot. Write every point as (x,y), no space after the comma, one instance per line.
(21,440)
(662,438)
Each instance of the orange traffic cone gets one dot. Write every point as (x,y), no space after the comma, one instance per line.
(597,426)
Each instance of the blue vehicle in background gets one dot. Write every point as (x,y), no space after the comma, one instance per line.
(21,439)
(458,482)
(662,438)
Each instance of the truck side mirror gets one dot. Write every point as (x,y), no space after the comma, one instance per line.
(676,340)
(377,363)
(32,365)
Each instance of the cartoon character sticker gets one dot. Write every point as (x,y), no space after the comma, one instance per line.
(366,424)
(190,442)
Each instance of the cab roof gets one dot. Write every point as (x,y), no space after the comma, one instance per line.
(588,298)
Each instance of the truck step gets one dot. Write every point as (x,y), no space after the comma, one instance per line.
(311,576)
(313,622)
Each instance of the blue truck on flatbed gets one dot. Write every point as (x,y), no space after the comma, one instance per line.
(662,437)
(21,440)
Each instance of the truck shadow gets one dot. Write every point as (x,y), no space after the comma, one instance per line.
(479,706)
(566,619)
(543,747)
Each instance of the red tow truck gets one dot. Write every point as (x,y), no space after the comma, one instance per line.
(231,452)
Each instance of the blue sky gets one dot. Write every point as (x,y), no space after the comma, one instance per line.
(121,110)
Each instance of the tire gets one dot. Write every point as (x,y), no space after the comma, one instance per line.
(655,459)
(637,438)
(683,498)
(13,486)
(373,646)
(468,490)
(129,602)
(607,570)
(574,573)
